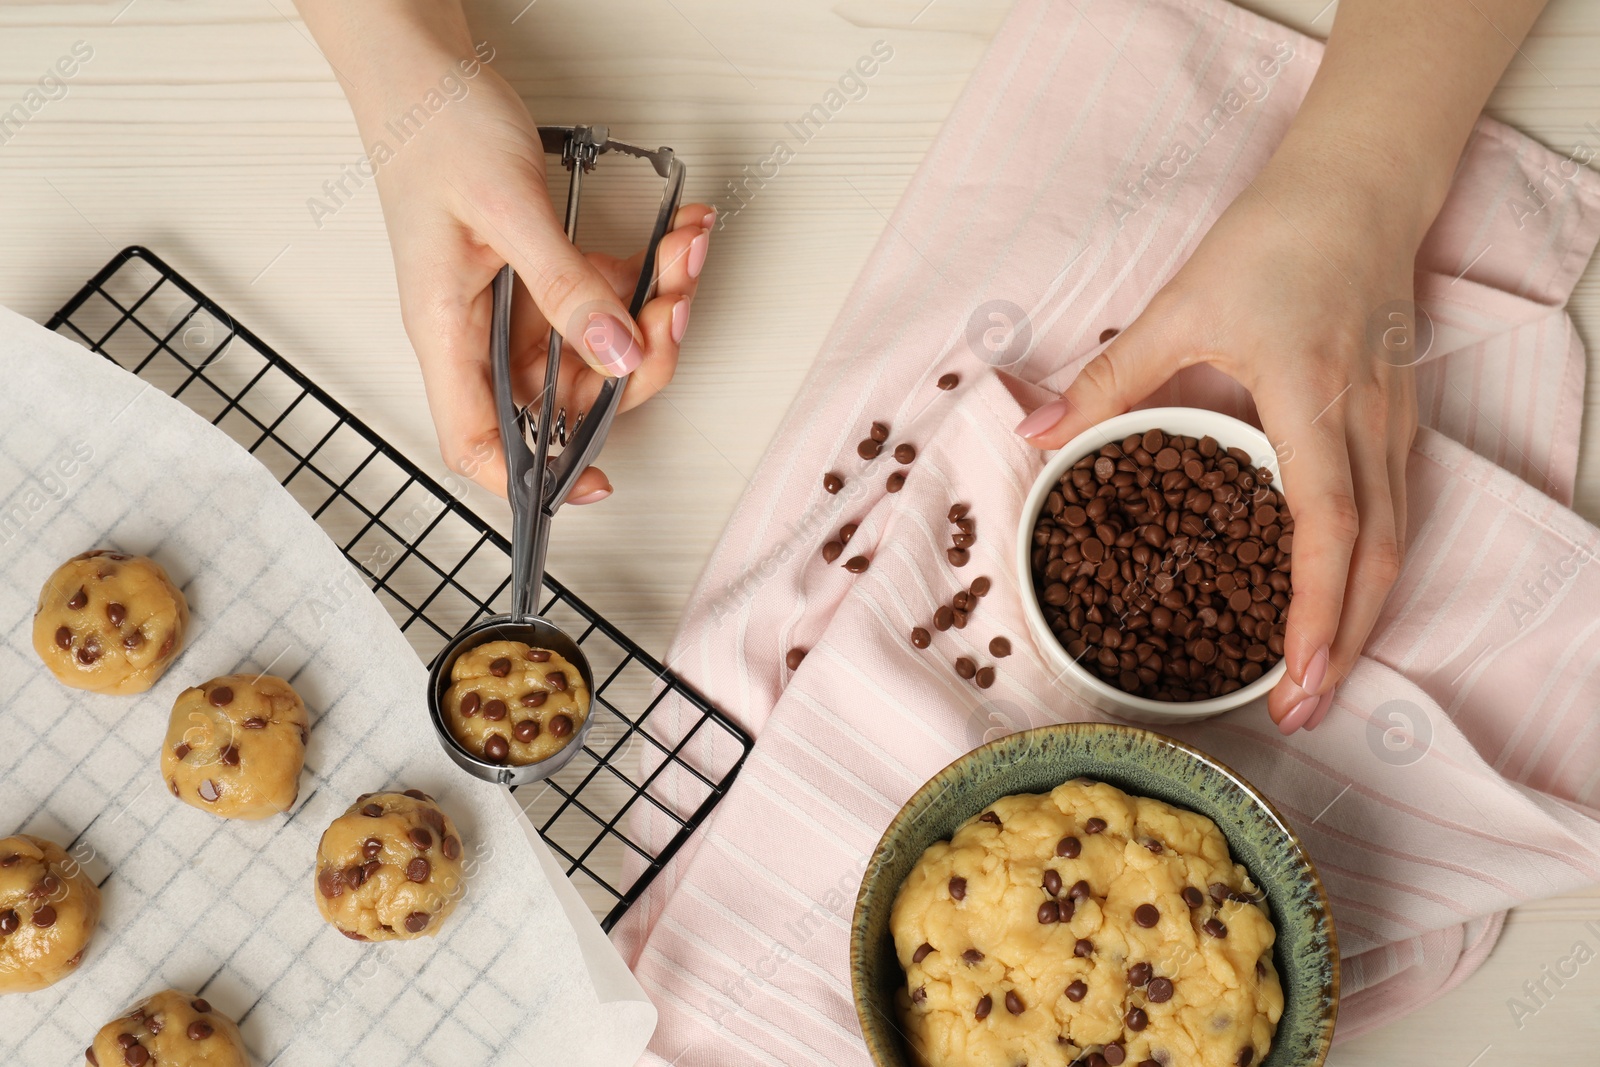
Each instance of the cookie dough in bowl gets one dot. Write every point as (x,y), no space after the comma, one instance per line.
(510,703)
(389,868)
(48,911)
(109,622)
(1059,927)
(235,746)
(170,1029)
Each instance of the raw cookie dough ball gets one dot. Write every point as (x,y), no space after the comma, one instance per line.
(509,703)
(389,869)
(235,746)
(48,911)
(109,623)
(1085,922)
(170,1029)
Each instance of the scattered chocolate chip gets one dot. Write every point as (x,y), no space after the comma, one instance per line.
(1083,948)
(1136,1019)
(847,531)
(1108,333)
(1215,928)
(451,848)
(1146,915)
(496,748)
(972,955)
(1192,896)
(832,482)
(958,557)
(985,677)
(419,869)
(500,667)
(372,811)
(1077,991)
(895,482)
(856,564)
(944,617)
(920,638)
(879,432)
(1094,826)
(999,647)
(209,792)
(965,667)
(199,1030)
(416,922)
(868,448)
(1160,990)
(1069,847)
(526,730)
(79,599)
(254,722)
(921,953)
(982,1010)
(560,725)
(220,697)
(904,452)
(421,838)
(1140,973)
(958,888)
(948,381)
(494,710)
(794,658)
(831,551)
(470,705)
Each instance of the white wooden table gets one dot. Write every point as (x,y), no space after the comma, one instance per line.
(201,129)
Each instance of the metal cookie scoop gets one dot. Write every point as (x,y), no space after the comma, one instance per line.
(538,481)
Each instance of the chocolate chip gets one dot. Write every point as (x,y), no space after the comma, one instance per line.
(1013,1002)
(920,638)
(534,698)
(89,1055)
(1083,948)
(1246,1055)
(948,381)
(44,917)
(79,599)
(1139,973)
(1215,928)
(537,655)
(1218,892)
(831,551)
(1049,912)
(560,725)
(229,755)
(417,922)
(166,645)
(982,1010)
(500,667)
(985,677)
(895,482)
(557,680)
(794,658)
(89,651)
(199,1030)
(832,482)
(1261,969)
(1077,991)
(128,1040)
(153,1023)
(9,921)
(1146,915)
(133,640)
(999,647)
(254,722)
(372,811)
(921,953)
(904,453)
(1152,844)
(330,882)
(172,783)
(451,848)
(209,792)
(220,697)
(957,512)
(136,1055)
(371,847)
(856,564)
(1080,890)
(181,751)
(1136,1019)
(1052,881)
(419,869)
(958,557)
(1160,990)
(421,838)
(470,705)
(1069,847)
(494,710)
(351,934)
(1113,1054)
(1192,896)
(116,613)
(496,748)
(965,667)
(919,994)
(944,617)
(1108,333)
(972,956)
(526,730)
(868,448)
(847,531)
(958,888)
(879,432)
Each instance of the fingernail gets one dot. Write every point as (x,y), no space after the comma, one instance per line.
(1316,671)
(1298,715)
(697,254)
(612,344)
(590,497)
(680,319)
(1323,707)
(709,220)
(1043,419)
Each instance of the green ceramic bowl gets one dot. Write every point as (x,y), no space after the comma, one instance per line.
(1141,763)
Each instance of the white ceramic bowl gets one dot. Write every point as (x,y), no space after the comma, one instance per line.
(1189,422)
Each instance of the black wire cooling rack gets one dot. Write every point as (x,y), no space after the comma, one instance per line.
(436,566)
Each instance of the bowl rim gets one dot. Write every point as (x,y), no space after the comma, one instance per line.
(919,801)
(1230,432)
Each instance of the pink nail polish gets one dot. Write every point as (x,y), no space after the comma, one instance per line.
(1044,418)
(590,497)
(612,345)
(697,254)
(1323,707)
(710,219)
(1316,671)
(680,319)
(1298,715)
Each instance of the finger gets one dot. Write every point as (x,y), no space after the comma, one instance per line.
(1137,363)
(568,290)
(663,321)
(1318,487)
(680,258)
(591,487)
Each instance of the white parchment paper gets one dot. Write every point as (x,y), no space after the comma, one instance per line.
(90,456)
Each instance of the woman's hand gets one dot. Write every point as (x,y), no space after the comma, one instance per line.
(1279,295)
(464,193)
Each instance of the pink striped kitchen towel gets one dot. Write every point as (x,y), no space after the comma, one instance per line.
(1459,770)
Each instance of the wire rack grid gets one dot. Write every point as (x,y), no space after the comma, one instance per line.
(437,567)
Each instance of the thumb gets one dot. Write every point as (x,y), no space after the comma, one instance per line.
(1135,365)
(569,291)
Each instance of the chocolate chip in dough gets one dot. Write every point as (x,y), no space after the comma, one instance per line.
(494,710)
(470,705)
(1080,890)
(1077,991)
(972,956)
(921,953)
(1215,928)
(420,837)
(44,917)
(1193,897)
(220,697)
(538,655)
(371,848)
(79,600)
(209,792)
(1052,881)
(1113,1054)
(419,869)
(958,888)
(372,811)
(181,750)
(254,722)
(982,1010)
(9,921)
(451,848)
(1094,826)
(116,613)
(1136,1019)
(1013,1002)
(526,730)
(1146,915)
(1068,848)
(229,755)
(1246,1055)
(417,922)
(534,698)
(500,667)
(1083,948)
(1139,973)
(136,1055)
(1159,990)
(1049,912)
(557,680)
(496,748)
(199,1030)
(560,725)
(89,651)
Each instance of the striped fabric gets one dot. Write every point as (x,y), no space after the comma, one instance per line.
(1459,770)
